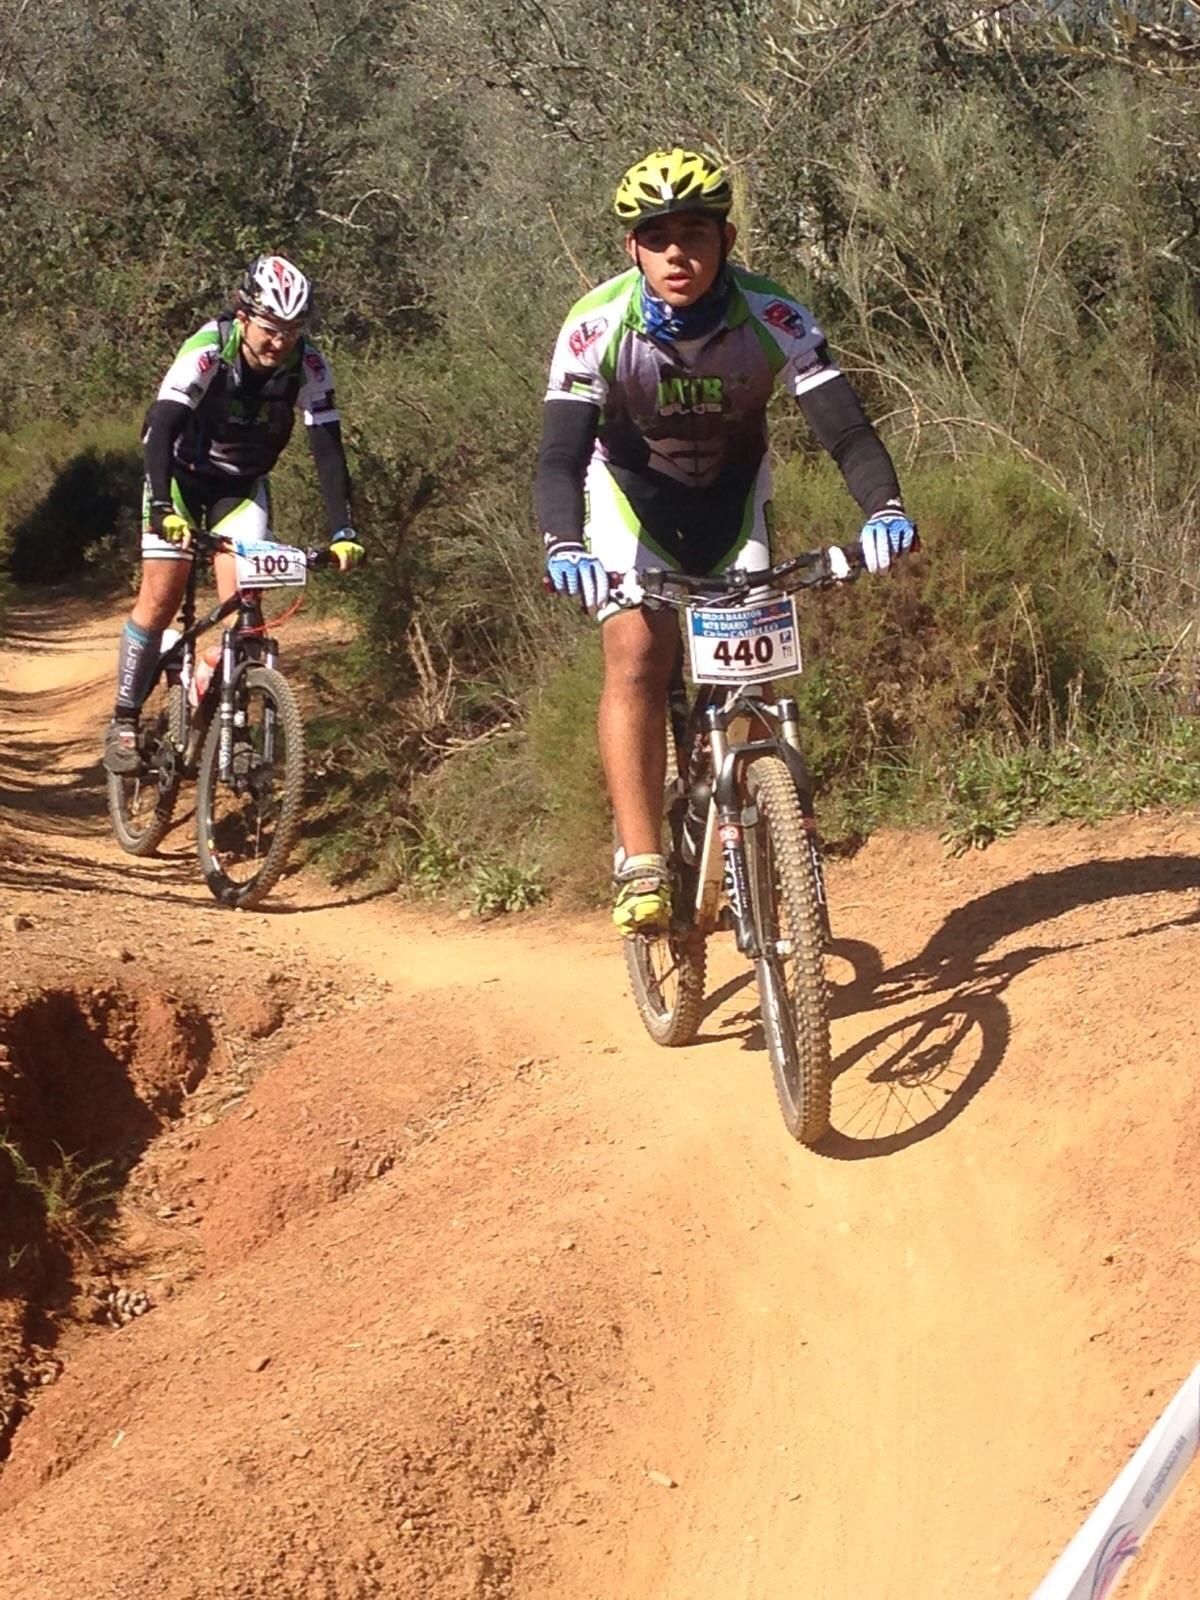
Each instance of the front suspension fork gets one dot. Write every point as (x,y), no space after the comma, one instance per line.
(234,716)
(225,710)
(726,812)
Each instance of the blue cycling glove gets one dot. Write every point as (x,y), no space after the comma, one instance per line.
(885,536)
(573,571)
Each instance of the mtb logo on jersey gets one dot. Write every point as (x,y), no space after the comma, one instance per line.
(780,315)
(586,335)
(695,396)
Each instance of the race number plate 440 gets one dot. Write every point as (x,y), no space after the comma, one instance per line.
(263,564)
(743,644)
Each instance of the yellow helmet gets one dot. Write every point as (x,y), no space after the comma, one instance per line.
(672,180)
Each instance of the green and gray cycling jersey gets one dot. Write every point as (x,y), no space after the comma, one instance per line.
(690,411)
(220,424)
(241,419)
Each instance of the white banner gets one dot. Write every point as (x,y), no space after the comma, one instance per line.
(1090,1566)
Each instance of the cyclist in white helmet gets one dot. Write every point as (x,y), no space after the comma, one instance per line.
(654,453)
(223,415)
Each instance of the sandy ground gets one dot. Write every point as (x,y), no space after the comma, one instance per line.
(459,1286)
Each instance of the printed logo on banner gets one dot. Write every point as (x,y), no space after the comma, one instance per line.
(1094,1561)
(1120,1547)
(780,315)
(586,335)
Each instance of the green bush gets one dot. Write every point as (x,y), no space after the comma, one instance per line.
(532,799)
(1003,622)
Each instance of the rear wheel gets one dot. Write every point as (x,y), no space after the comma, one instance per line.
(666,971)
(790,919)
(247,823)
(141,803)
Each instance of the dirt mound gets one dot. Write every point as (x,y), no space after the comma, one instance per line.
(308,1136)
(368,1314)
(87,1078)
(98,1071)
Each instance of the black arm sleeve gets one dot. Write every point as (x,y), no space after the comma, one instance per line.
(164,422)
(835,415)
(568,433)
(333,474)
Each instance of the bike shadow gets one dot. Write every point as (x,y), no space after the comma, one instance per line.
(333,902)
(847,995)
(909,1078)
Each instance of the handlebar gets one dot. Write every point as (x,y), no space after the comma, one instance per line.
(813,568)
(212,543)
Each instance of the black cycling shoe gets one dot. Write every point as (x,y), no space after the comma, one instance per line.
(121,754)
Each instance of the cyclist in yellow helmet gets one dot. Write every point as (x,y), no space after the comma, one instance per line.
(654,453)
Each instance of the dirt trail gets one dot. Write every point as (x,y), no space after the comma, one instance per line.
(453,1257)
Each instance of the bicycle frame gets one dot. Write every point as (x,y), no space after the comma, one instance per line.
(180,657)
(721,723)
(726,717)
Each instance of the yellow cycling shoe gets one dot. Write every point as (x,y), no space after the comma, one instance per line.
(643,896)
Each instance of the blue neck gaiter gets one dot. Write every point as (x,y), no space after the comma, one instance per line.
(687,322)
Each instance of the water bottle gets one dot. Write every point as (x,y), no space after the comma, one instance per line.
(202,675)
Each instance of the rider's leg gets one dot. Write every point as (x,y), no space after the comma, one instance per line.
(162,586)
(639,653)
(238,516)
(164,579)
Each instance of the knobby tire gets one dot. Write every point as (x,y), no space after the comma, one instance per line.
(793,992)
(667,977)
(141,805)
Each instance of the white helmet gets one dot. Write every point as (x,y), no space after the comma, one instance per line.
(275,288)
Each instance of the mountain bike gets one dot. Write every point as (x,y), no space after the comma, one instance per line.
(739,826)
(239,735)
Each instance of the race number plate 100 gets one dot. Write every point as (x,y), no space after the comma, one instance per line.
(743,644)
(263,564)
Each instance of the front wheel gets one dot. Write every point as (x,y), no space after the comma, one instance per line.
(248,821)
(141,804)
(790,920)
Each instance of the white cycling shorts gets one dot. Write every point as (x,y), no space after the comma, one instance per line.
(240,518)
(613,532)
